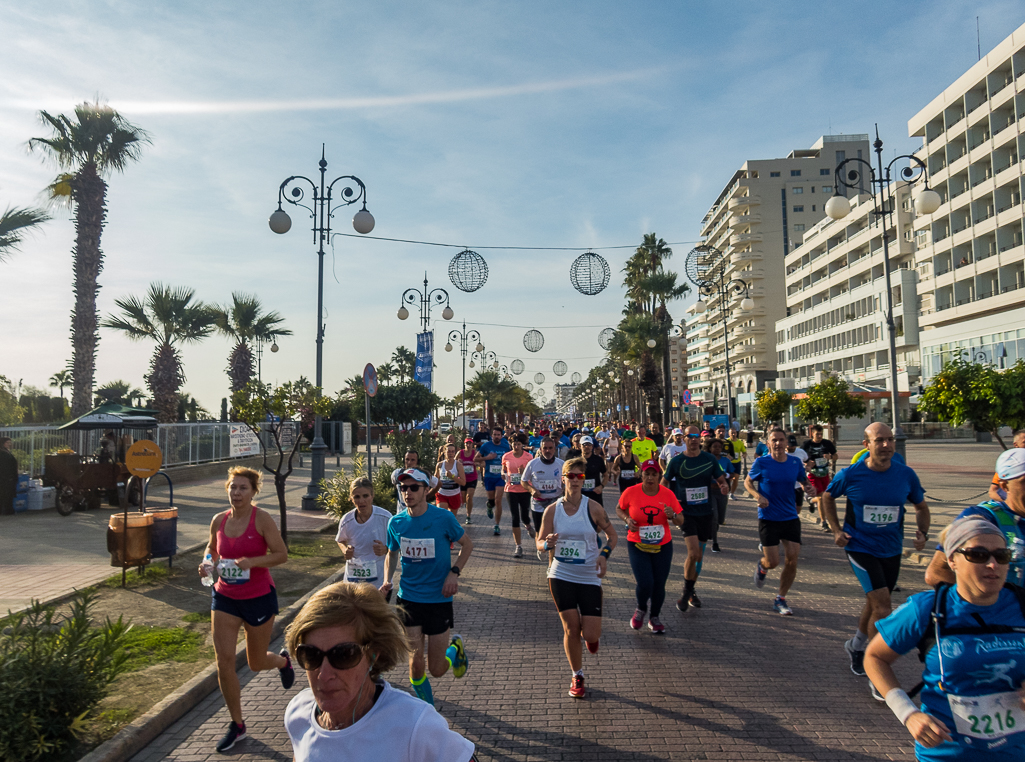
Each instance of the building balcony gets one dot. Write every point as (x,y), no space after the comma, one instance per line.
(743,220)
(739,257)
(747,238)
(744,201)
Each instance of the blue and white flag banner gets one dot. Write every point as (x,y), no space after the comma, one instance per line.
(424,371)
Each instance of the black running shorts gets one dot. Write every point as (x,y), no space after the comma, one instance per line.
(874,573)
(432,618)
(771,532)
(572,596)
(702,526)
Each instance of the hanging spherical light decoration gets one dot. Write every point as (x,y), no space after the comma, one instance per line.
(575,378)
(589,273)
(533,340)
(539,378)
(605,338)
(517,367)
(560,368)
(468,271)
(529,387)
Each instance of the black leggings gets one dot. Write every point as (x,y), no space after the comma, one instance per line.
(537,516)
(651,570)
(519,507)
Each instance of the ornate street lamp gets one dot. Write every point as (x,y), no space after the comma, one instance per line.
(464,338)
(426,298)
(850,174)
(322,207)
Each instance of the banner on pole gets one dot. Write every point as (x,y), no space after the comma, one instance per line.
(424,370)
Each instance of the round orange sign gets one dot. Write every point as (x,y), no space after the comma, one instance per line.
(144,458)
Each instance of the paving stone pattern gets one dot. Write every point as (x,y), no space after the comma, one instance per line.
(731,681)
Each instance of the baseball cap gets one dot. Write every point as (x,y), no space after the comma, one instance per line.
(415,474)
(468,439)
(792,440)
(649,464)
(706,433)
(1011,464)
(586,440)
(677,431)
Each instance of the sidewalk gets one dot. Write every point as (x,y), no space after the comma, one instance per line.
(44,555)
(731,681)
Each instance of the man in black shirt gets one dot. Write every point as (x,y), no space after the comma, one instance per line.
(820,464)
(482,435)
(595,472)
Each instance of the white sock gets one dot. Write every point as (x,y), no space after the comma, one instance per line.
(860,641)
(579,672)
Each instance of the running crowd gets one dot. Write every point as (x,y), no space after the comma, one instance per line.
(969,631)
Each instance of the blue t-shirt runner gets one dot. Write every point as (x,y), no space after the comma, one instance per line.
(1013,527)
(423,543)
(775,482)
(493,468)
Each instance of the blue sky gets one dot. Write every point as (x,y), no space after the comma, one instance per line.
(475,123)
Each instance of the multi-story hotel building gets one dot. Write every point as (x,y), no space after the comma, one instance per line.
(758,219)
(677,368)
(970,253)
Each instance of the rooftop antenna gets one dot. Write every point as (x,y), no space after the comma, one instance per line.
(978,38)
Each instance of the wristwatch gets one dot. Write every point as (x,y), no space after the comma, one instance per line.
(456,570)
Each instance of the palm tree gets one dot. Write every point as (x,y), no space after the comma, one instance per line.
(96,142)
(386,372)
(169,317)
(405,363)
(118,391)
(60,379)
(13,225)
(245,322)
(490,389)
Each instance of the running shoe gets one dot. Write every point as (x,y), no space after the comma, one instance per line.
(457,655)
(656,626)
(530,531)
(497,530)
(695,601)
(235,734)
(682,606)
(518,553)
(468,520)
(592,647)
(760,575)
(781,607)
(825,528)
(875,693)
(423,690)
(287,673)
(857,657)
(637,620)
(576,688)
(491,510)
(715,548)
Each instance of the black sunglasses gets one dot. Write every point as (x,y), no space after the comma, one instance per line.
(982,555)
(409,487)
(341,656)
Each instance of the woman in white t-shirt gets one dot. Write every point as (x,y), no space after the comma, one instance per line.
(363,534)
(345,637)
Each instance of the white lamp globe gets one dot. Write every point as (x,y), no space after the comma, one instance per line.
(700,306)
(274,347)
(471,363)
(480,347)
(280,222)
(447,313)
(927,202)
(630,372)
(837,208)
(747,304)
(651,343)
(403,313)
(363,222)
(448,347)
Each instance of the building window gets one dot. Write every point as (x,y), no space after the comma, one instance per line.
(827,188)
(798,227)
(795,191)
(795,173)
(824,172)
(798,208)
(813,207)
(774,174)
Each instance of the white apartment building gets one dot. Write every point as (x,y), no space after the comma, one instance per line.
(563,397)
(836,301)
(677,368)
(970,252)
(757,220)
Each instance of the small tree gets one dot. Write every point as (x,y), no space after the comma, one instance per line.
(966,392)
(11,413)
(295,401)
(828,402)
(772,404)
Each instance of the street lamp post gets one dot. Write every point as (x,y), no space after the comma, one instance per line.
(259,356)
(427,298)
(464,338)
(322,207)
(706,269)
(486,359)
(849,175)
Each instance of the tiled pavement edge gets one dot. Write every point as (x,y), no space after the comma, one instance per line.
(732,681)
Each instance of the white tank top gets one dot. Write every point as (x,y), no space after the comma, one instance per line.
(449,486)
(576,554)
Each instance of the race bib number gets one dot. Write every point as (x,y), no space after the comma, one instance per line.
(881,514)
(515,479)
(652,534)
(988,717)
(361,570)
(548,485)
(417,549)
(820,462)
(570,551)
(626,474)
(588,484)
(469,469)
(495,468)
(697,495)
(230,572)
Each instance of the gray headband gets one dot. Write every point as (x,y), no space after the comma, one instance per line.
(962,530)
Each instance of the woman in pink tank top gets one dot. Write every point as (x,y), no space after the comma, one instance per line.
(467,456)
(244,544)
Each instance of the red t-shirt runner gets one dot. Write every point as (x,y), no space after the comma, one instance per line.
(648,511)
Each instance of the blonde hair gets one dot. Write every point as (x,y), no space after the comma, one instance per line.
(255,477)
(361,606)
(574,463)
(361,483)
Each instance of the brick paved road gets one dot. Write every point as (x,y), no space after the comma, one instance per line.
(732,681)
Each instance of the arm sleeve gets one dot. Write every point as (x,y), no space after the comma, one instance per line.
(671,500)
(902,630)
(433,741)
(755,472)
(342,535)
(838,486)
(916,493)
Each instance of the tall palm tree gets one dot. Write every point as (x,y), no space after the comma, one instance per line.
(405,363)
(386,372)
(116,391)
(490,389)
(245,321)
(169,317)
(14,223)
(96,142)
(61,379)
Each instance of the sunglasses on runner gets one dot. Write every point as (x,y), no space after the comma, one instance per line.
(693,436)
(409,487)
(981,555)
(575,476)
(341,656)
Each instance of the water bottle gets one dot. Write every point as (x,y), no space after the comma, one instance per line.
(209,578)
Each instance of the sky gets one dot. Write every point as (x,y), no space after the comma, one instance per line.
(479,124)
